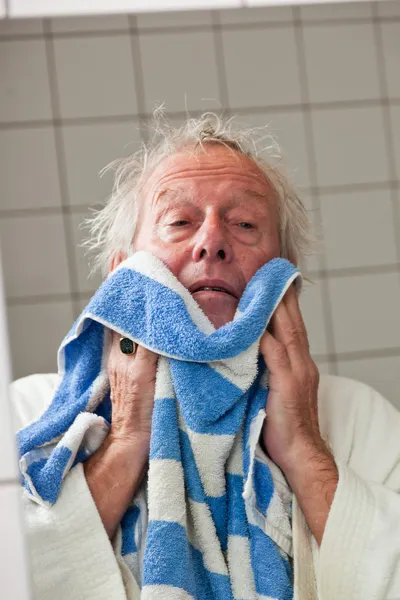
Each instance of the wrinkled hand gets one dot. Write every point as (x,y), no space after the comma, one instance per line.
(132,385)
(115,471)
(291,424)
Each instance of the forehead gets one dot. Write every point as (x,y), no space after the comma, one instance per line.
(215,166)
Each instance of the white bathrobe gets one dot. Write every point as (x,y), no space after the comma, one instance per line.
(359,557)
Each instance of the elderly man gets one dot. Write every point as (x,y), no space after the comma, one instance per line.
(204,203)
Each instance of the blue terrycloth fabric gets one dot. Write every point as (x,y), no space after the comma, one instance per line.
(211,393)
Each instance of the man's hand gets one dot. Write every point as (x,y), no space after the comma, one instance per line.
(292,406)
(132,388)
(116,470)
(291,432)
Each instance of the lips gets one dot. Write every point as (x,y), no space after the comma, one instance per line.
(212,289)
(216,285)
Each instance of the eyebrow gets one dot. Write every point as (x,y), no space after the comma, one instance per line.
(169,194)
(178,196)
(255,194)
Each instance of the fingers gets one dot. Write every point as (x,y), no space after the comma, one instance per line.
(289,346)
(292,304)
(274,353)
(140,354)
(132,388)
(285,332)
(139,368)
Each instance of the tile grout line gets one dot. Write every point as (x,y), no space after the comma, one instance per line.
(386,185)
(46,211)
(39,299)
(68,122)
(220,62)
(196,28)
(9,481)
(250,110)
(61,163)
(353,355)
(315,199)
(138,74)
(388,128)
(342,272)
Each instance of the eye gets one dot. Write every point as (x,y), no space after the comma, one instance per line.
(180,223)
(246,225)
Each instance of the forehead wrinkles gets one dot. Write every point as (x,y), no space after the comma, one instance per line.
(160,180)
(210,172)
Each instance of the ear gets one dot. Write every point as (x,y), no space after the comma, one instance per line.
(117,259)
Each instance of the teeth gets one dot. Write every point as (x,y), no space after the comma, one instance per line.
(211,288)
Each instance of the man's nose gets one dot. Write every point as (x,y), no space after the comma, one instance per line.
(212,243)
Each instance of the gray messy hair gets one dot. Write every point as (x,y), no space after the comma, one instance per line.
(112,228)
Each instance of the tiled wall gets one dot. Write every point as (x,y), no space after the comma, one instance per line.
(74,93)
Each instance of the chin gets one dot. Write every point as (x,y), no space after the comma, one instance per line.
(219,320)
(220,310)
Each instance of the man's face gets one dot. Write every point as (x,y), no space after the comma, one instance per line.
(212,219)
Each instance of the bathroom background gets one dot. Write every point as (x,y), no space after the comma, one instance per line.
(77,93)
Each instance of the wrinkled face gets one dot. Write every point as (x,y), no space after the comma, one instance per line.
(212,219)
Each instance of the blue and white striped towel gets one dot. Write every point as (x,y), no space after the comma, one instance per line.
(202,541)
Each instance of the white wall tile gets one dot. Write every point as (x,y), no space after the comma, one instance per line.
(82,262)
(388,8)
(381,373)
(95,146)
(190,18)
(311,307)
(255,76)
(13,552)
(109,90)
(358,229)
(90,23)
(35,261)
(36,332)
(349,145)
(365,312)
(28,169)
(261,14)
(180,70)
(10,27)
(336,11)
(23,71)
(395,121)
(289,130)
(391,50)
(337,68)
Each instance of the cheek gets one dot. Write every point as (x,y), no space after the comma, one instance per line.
(171,257)
(250,263)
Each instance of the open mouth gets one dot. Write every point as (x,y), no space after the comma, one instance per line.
(216,290)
